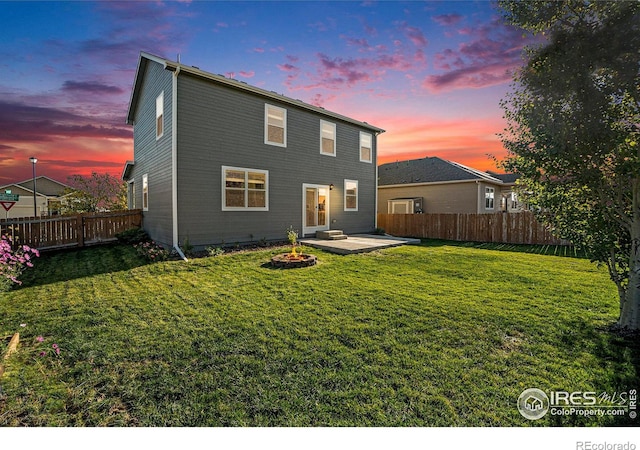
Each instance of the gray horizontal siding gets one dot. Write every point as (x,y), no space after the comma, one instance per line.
(153,157)
(220,126)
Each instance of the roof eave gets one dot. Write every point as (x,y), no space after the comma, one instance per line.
(173,66)
(126,172)
(426,183)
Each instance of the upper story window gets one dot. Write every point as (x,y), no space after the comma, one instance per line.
(350,195)
(160,115)
(275,125)
(489,194)
(145,192)
(327,138)
(245,189)
(366,152)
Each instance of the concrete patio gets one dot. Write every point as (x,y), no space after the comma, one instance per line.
(358,243)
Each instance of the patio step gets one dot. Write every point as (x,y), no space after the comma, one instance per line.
(331,235)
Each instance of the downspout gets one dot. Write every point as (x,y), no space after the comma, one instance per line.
(375,197)
(478,197)
(174,162)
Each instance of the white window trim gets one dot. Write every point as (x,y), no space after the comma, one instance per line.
(160,112)
(131,194)
(145,187)
(246,197)
(357,195)
(408,203)
(489,190)
(266,125)
(333,126)
(370,161)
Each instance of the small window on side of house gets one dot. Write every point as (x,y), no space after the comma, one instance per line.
(489,194)
(160,115)
(145,192)
(350,195)
(131,195)
(366,151)
(327,138)
(275,125)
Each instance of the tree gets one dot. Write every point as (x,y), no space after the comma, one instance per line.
(98,192)
(573,131)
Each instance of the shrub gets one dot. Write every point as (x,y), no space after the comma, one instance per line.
(13,262)
(152,251)
(133,236)
(214,251)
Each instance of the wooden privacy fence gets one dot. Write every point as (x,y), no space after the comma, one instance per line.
(507,228)
(70,231)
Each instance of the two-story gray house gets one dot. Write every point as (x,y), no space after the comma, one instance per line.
(219,161)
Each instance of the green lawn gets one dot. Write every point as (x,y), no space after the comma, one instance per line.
(430,335)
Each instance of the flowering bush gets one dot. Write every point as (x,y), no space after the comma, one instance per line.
(13,262)
(152,251)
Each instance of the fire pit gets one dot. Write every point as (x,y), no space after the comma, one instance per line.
(291,261)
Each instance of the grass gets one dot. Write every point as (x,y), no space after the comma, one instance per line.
(430,335)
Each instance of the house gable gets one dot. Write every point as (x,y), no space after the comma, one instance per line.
(45,186)
(211,123)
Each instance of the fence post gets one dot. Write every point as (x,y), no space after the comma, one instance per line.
(80,229)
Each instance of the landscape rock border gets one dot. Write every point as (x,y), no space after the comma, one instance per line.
(285,261)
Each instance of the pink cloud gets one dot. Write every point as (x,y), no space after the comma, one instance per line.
(288,67)
(447,19)
(247,74)
(489,58)
(473,76)
(414,34)
(55,135)
(258,50)
(337,72)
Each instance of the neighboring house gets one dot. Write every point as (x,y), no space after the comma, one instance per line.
(219,161)
(434,185)
(49,195)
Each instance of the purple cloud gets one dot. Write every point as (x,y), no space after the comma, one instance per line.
(487,59)
(414,34)
(91,87)
(447,19)
(24,123)
(82,163)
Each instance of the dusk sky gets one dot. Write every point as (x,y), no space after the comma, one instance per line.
(430,73)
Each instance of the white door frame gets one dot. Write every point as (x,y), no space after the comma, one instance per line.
(312,229)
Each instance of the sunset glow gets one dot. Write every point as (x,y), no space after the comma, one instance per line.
(430,73)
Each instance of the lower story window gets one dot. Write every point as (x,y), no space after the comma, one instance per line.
(245,189)
(489,198)
(145,192)
(350,195)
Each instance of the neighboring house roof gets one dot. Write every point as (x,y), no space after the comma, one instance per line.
(18,190)
(430,170)
(506,178)
(44,186)
(175,66)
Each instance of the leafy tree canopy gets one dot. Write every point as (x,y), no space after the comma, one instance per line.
(97,192)
(574,130)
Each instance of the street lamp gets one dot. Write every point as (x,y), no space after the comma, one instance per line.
(34,160)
